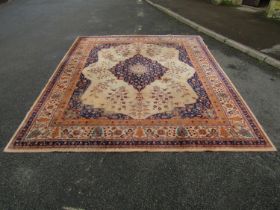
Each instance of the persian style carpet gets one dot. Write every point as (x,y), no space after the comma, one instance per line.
(139,93)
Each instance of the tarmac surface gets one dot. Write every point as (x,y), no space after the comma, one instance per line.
(34,36)
(247,25)
(3,1)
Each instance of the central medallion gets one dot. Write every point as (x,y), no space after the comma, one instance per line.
(138,82)
(138,71)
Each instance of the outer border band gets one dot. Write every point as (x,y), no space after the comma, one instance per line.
(200,148)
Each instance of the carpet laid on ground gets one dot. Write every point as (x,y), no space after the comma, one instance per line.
(139,93)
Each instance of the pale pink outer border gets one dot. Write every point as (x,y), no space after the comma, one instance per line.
(186,149)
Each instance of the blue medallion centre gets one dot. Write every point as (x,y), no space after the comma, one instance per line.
(139,71)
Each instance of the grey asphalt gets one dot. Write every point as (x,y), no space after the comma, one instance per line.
(34,36)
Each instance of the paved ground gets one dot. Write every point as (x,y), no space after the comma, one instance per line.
(34,36)
(247,25)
